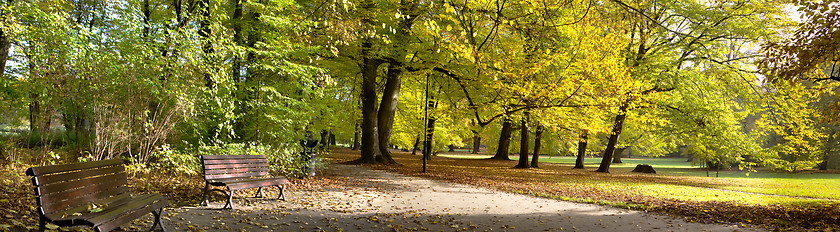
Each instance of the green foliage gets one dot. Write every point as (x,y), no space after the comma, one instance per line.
(283,160)
(797,130)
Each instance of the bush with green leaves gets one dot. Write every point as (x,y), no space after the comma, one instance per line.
(282,160)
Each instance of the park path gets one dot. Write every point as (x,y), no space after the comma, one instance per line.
(360,199)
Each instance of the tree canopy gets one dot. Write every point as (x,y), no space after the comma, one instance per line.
(136,78)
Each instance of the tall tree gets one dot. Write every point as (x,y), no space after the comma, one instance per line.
(668,36)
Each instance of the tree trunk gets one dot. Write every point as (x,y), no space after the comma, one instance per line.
(204,32)
(5,45)
(357,143)
(617,155)
(428,147)
(503,150)
(241,95)
(430,131)
(535,163)
(476,143)
(523,144)
(332,139)
(370,137)
(427,143)
(147,13)
(34,113)
(616,131)
(450,147)
(416,143)
(325,139)
(387,110)
(581,149)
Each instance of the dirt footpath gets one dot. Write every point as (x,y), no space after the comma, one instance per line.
(370,200)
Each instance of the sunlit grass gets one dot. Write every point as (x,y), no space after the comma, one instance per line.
(810,185)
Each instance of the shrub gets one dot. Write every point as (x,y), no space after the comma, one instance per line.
(283,160)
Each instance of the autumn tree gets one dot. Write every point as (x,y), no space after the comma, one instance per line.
(671,41)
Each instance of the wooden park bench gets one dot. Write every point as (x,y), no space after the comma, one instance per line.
(90,193)
(236,172)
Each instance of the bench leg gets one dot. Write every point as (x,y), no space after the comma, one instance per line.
(282,195)
(42,225)
(204,201)
(229,203)
(157,220)
(259,193)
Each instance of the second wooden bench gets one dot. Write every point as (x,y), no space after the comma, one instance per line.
(236,172)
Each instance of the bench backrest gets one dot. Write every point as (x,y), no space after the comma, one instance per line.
(234,166)
(73,185)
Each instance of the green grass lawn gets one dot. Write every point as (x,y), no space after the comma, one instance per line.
(811,185)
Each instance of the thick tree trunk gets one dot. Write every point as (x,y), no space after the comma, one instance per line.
(503,150)
(370,137)
(476,143)
(584,136)
(357,134)
(450,148)
(416,144)
(523,144)
(535,163)
(617,155)
(387,110)
(616,132)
